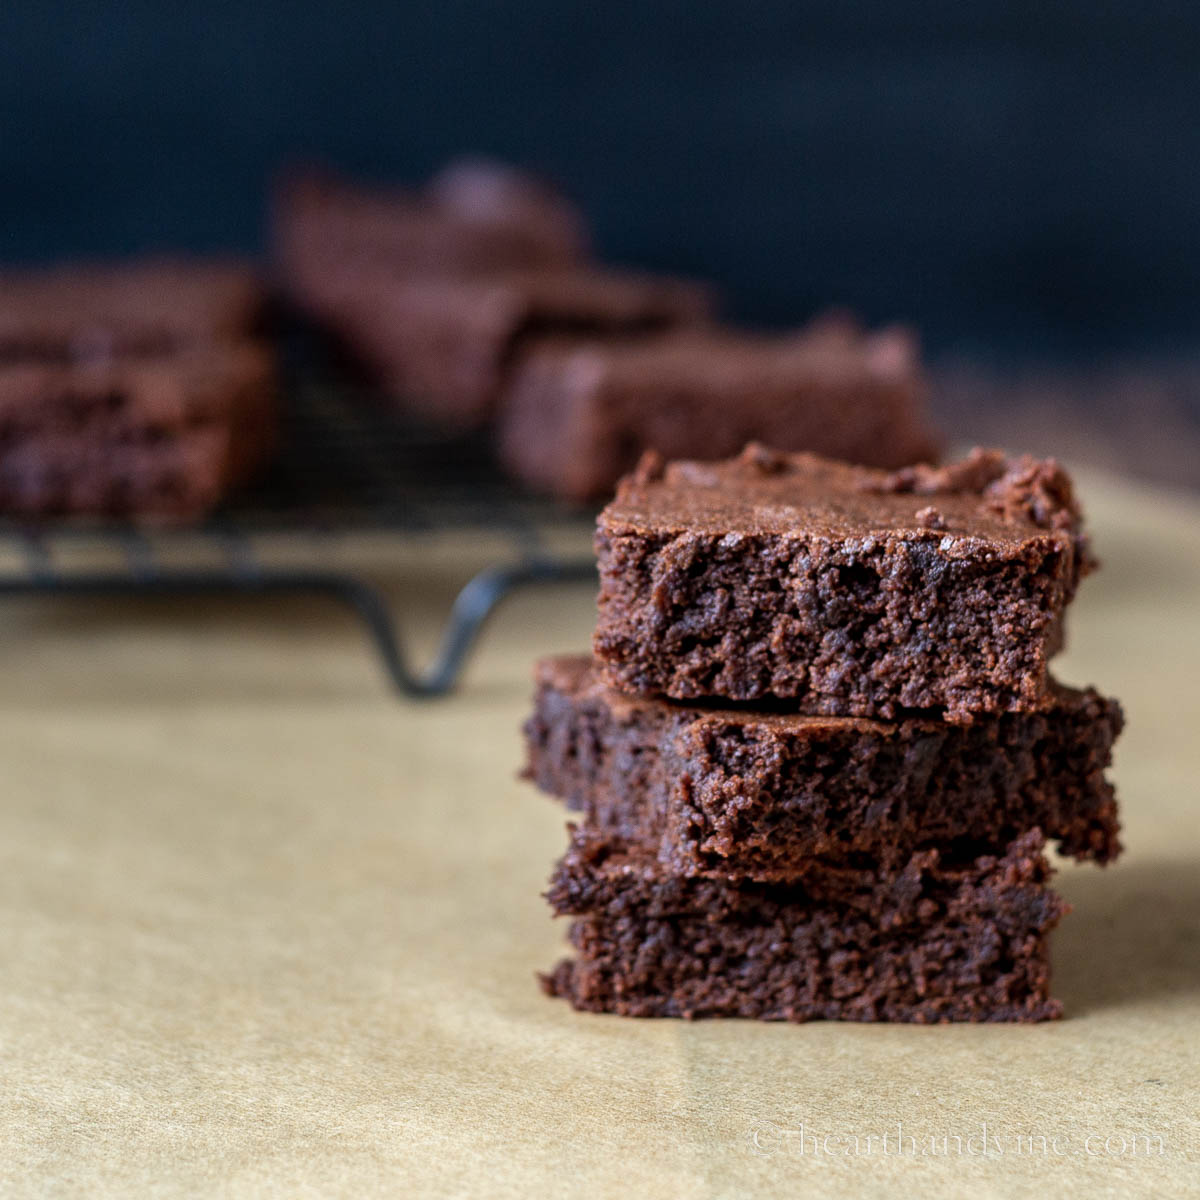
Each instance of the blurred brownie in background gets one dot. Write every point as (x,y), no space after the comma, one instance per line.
(578,414)
(157,437)
(135,389)
(435,294)
(474,217)
(444,347)
(152,306)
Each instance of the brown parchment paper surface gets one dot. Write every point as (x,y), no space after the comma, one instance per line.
(267,931)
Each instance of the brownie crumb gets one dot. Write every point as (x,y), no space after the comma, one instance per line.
(763,459)
(973,474)
(650,467)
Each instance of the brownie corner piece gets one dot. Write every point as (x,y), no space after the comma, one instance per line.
(839,589)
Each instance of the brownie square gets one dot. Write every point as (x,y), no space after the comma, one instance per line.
(736,792)
(935,941)
(473,217)
(444,346)
(837,589)
(578,414)
(150,306)
(164,438)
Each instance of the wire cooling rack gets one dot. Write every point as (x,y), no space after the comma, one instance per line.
(346,465)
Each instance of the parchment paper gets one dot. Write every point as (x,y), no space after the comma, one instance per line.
(265,930)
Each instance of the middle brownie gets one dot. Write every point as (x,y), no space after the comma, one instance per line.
(736,792)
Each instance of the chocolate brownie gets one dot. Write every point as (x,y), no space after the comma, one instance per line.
(837,589)
(444,346)
(99,310)
(161,438)
(473,218)
(935,941)
(754,794)
(578,414)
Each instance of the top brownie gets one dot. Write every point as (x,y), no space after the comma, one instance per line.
(837,589)
(92,311)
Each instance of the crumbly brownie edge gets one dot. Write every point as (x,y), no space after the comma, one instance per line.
(608,765)
(865,628)
(757,798)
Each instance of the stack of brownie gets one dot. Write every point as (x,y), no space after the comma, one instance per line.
(476,304)
(818,750)
(137,390)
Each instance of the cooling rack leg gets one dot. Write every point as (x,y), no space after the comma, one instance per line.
(472,607)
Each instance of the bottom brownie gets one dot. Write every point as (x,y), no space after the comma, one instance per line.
(933,942)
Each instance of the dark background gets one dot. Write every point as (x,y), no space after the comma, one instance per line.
(1012,177)
(1018,180)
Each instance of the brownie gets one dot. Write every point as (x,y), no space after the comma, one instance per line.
(151,306)
(739,792)
(161,438)
(578,414)
(838,589)
(474,217)
(444,346)
(935,941)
